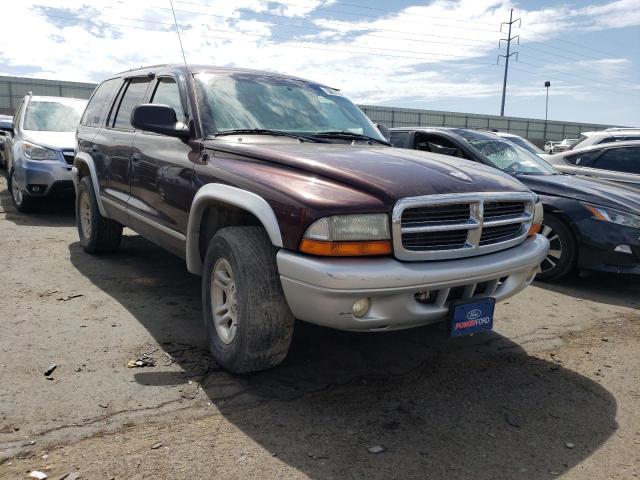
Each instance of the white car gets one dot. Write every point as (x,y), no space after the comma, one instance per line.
(616,161)
(609,135)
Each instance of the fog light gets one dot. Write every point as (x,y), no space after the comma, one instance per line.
(623,249)
(360,307)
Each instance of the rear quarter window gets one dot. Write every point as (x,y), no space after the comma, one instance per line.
(95,112)
(583,159)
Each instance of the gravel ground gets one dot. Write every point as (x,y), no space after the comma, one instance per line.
(553,392)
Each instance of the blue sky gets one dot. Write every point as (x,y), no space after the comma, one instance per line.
(431,54)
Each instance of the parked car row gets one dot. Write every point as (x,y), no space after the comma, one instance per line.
(290,204)
(39,149)
(591,224)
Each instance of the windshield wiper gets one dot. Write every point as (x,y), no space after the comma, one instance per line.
(347,135)
(265,131)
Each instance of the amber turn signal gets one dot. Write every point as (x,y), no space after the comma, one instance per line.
(345,249)
(535,228)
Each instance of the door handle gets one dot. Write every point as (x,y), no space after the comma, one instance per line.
(136,157)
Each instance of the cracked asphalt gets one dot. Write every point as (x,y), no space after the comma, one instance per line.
(552,392)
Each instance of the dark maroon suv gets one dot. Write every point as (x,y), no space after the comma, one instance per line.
(290,204)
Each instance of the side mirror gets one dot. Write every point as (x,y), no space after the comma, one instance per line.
(7,126)
(158,118)
(384,131)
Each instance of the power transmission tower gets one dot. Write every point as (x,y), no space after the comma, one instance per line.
(506,57)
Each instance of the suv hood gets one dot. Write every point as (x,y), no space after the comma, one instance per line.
(54,140)
(591,190)
(387,172)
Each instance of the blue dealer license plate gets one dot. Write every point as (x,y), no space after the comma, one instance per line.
(469,317)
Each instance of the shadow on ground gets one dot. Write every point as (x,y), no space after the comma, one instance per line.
(50,212)
(473,408)
(609,288)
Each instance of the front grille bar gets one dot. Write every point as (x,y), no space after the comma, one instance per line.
(473,225)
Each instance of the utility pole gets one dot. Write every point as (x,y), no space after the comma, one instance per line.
(547,84)
(509,39)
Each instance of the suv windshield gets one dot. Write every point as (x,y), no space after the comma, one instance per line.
(53,116)
(511,158)
(241,101)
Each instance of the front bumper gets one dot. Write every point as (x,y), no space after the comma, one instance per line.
(608,247)
(49,176)
(323,290)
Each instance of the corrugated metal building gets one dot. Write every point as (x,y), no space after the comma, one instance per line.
(532,129)
(13,89)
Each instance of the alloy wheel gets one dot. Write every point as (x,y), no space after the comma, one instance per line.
(15,189)
(85,215)
(224,303)
(555,249)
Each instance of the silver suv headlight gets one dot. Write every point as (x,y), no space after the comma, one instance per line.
(36,152)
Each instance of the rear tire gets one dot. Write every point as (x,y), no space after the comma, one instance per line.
(249,324)
(22,201)
(561,258)
(98,234)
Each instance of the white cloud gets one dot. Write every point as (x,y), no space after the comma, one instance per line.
(423,53)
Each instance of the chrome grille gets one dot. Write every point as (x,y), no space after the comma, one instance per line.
(445,226)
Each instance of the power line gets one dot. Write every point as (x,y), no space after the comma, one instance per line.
(288,43)
(443,42)
(368,7)
(360,16)
(556,77)
(330,22)
(563,40)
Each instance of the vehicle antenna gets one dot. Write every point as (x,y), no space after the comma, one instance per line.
(175,21)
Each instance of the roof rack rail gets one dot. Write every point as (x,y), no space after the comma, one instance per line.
(621,129)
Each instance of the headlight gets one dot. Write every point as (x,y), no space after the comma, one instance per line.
(36,152)
(613,216)
(348,235)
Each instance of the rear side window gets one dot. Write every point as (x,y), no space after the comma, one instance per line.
(167,93)
(583,159)
(624,159)
(132,97)
(96,109)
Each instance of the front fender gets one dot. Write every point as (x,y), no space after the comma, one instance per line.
(83,158)
(217,192)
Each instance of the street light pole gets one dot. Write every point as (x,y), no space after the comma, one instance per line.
(547,84)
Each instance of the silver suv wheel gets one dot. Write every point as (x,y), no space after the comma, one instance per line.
(15,190)
(224,303)
(84,213)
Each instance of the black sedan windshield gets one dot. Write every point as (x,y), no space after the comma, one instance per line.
(240,101)
(510,158)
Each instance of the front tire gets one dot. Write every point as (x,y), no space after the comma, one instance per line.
(561,258)
(98,234)
(249,324)
(22,201)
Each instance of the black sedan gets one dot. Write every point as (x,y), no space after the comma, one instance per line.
(591,224)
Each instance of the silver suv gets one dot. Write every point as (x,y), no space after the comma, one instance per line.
(40,151)
(619,161)
(609,135)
